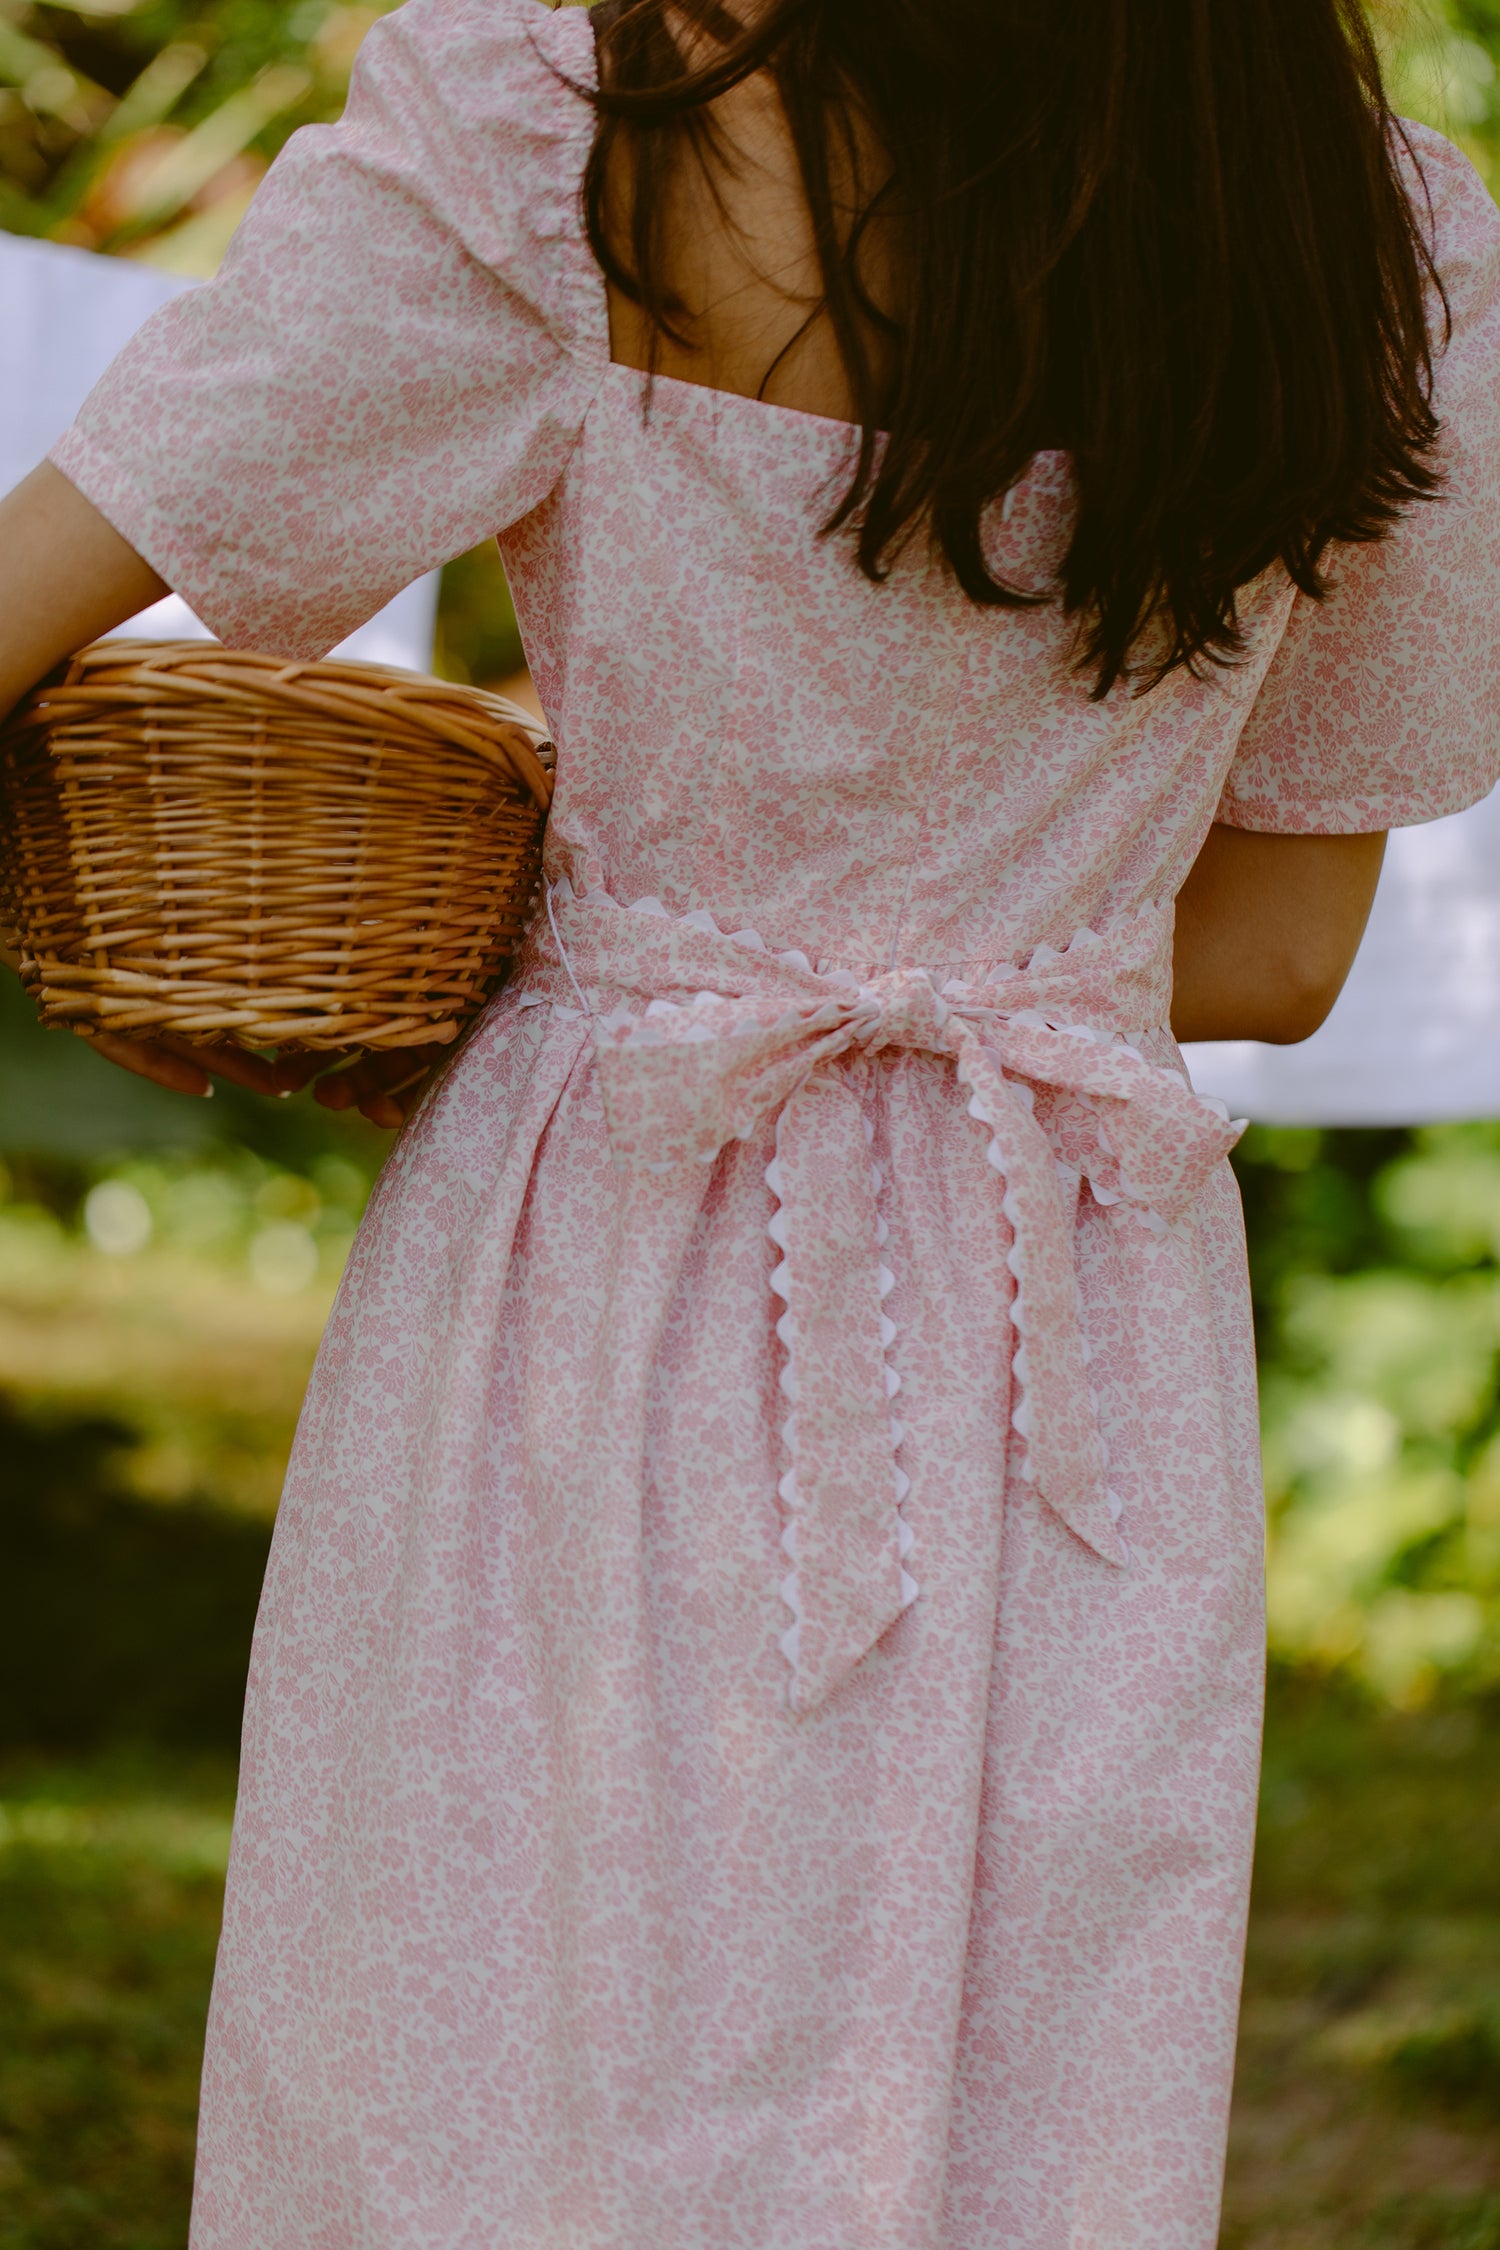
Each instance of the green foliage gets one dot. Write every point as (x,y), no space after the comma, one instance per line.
(175,1300)
(1441,62)
(64,1110)
(1454,2061)
(1363,2116)
(1376,1262)
(1435,2222)
(146,127)
(154,1384)
(478,639)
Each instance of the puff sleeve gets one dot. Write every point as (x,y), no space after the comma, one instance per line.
(398,353)
(1382,705)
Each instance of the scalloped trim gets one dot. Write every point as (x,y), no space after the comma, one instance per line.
(781,1283)
(1043,956)
(1015,1258)
(790,1587)
(698,919)
(1144,1214)
(558,1007)
(1127,1193)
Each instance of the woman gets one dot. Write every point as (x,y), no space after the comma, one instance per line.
(752,1731)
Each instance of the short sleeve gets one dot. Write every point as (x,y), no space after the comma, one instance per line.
(1381,707)
(398,353)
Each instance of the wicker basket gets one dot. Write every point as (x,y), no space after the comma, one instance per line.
(224,847)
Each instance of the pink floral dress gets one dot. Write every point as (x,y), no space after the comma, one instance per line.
(752,1735)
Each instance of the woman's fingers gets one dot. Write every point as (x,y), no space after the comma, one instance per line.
(294,1071)
(149,1059)
(393,1107)
(384,1086)
(237,1064)
(338,1089)
(185,1068)
(385,1111)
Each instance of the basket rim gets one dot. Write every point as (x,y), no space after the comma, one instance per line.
(320,903)
(122,676)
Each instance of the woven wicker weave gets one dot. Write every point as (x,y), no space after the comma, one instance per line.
(224,847)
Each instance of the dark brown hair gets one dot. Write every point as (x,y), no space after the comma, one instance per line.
(1170,237)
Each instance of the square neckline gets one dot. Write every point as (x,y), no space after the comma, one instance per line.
(715,397)
(683,388)
(594,17)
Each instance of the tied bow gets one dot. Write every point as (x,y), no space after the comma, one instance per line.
(752,1038)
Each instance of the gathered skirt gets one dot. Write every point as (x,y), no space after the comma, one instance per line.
(550,1925)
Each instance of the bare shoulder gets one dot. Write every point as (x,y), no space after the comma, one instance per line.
(743,260)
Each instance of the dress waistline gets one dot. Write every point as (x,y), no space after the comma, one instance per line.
(701,1038)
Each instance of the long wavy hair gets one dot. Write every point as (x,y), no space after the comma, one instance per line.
(1169,237)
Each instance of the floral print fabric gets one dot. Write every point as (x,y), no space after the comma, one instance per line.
(1063,1102)
(752,1733)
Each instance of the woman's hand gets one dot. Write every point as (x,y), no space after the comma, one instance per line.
(384,1086)
(185,1069)
(1267,931)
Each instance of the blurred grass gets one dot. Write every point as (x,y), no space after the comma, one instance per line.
(1367,2105)
(129,1620)
(111,1881)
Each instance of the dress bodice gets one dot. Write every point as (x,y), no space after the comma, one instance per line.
(881,774)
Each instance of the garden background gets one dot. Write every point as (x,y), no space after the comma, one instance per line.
(166,1266)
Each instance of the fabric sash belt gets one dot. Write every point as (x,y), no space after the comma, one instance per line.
(700,1038)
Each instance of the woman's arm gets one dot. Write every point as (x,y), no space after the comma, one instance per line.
(1267,931)
(66,578)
